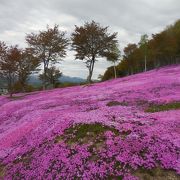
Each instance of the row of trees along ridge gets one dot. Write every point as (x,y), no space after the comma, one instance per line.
(161,50)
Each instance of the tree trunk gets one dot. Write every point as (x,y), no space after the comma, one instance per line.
(89,77)
(115,73)
(91,68)
(145,63)
(10,89)
(23,86)
(44,79)
(132,72)
(45,75)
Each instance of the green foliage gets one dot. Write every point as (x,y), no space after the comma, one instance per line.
(9,57)
(114,55)
(49,46)
(80,131)
(67,84)
(2,171)
(156,173)
(51,77)
(116,103)
(30,88)
(17,87)
(92,41)
(161,50)
(163,107)
(26,65)
(109,73)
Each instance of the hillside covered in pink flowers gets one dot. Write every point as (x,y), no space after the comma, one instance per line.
(127,129)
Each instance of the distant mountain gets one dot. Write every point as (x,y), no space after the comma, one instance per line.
(71,79)
(34,80)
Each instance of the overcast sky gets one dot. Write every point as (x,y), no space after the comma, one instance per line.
(130,18)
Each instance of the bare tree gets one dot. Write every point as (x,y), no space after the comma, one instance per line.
(49,46)
(92,41)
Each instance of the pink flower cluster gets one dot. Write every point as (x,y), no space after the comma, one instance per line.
(30,125)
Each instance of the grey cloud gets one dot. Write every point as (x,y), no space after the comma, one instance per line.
(130,18)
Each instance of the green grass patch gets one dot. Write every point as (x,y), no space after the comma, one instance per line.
(116,103)
(14,98)
(85,133)
(163,107)
(93,134)
(114,177)
(81,131)
(156,173)
(2,171)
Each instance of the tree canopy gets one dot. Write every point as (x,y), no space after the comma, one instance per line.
(52,76)
(160,50)
(49,46)
(92,41)
(9,56)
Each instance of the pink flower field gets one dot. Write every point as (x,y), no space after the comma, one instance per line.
(127,129)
